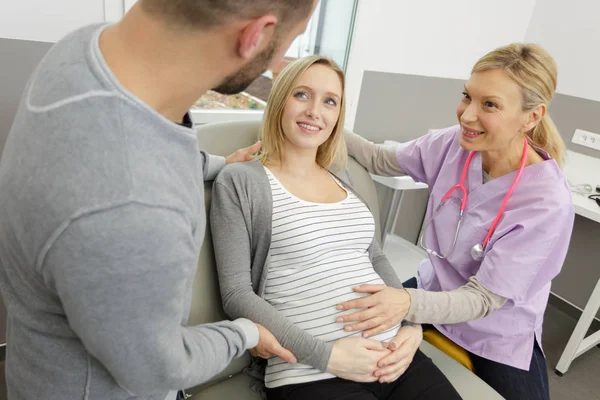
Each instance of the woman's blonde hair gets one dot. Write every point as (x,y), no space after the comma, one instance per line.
(332,153)
(534,70)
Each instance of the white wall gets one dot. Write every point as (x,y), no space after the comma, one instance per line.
(430,37)
(570,31)
(47,20)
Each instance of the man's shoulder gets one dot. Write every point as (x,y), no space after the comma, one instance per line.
(68,73)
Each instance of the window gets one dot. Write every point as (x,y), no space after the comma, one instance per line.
(328,33)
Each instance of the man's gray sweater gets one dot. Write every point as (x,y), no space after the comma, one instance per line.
(101,221)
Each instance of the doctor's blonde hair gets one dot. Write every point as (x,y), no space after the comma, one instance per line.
(332,154)
(535,71)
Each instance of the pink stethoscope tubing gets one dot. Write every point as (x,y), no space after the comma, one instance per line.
(478,249)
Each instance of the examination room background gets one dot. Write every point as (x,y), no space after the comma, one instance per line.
(406,68)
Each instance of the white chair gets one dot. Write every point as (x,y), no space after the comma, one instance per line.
(223,139)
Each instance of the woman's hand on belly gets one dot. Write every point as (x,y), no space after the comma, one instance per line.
(355,358)
(403,346)
(383,309)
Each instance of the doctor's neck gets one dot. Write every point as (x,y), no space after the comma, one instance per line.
(499,162)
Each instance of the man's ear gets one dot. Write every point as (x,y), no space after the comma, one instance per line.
(535,116)
(256,35)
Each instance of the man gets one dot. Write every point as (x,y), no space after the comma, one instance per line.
(102,212)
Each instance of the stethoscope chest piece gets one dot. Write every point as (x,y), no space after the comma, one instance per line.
(477,252)
(478,249)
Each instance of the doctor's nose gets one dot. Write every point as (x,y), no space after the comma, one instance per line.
(469,114)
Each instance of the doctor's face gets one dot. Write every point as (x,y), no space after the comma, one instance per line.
(490,112)
(313,109)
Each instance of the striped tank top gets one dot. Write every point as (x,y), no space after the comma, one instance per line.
(319,252)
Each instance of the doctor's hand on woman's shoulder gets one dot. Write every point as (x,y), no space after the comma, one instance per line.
(268,346)
(383,309)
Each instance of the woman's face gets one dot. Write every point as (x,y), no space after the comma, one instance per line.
(313,109)
(490,112)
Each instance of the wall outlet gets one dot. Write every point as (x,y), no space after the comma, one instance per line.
(587,139)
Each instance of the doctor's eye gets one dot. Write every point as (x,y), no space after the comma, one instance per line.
(466,96)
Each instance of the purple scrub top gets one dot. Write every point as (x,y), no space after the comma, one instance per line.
(524,254)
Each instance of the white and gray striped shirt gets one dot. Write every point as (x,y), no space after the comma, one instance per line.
(319,252)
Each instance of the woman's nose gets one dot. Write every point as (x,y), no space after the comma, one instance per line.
(313,111)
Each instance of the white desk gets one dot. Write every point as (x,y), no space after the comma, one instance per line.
(582,169)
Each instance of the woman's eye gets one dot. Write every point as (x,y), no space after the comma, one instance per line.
(489,104)
(466,96)
(301,95)
(331,102)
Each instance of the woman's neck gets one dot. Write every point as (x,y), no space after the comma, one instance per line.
(297,162)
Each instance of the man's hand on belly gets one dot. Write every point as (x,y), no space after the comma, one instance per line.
(268,346)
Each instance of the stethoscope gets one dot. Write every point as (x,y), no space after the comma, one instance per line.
(478,249)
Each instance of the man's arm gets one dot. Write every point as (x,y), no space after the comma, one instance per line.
(214,164)
(121,276)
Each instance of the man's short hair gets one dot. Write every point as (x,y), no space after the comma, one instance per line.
(212,13)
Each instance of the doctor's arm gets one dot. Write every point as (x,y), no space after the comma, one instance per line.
(467,303)
(388,306)
(376,158)
(519,264)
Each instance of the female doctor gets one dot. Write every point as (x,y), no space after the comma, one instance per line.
(498,223)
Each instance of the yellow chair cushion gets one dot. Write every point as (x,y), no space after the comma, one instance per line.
(437,339)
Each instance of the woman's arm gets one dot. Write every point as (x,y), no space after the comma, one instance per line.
(352,358)
(384,269)
(233,255)
(382,266)
(377,159)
